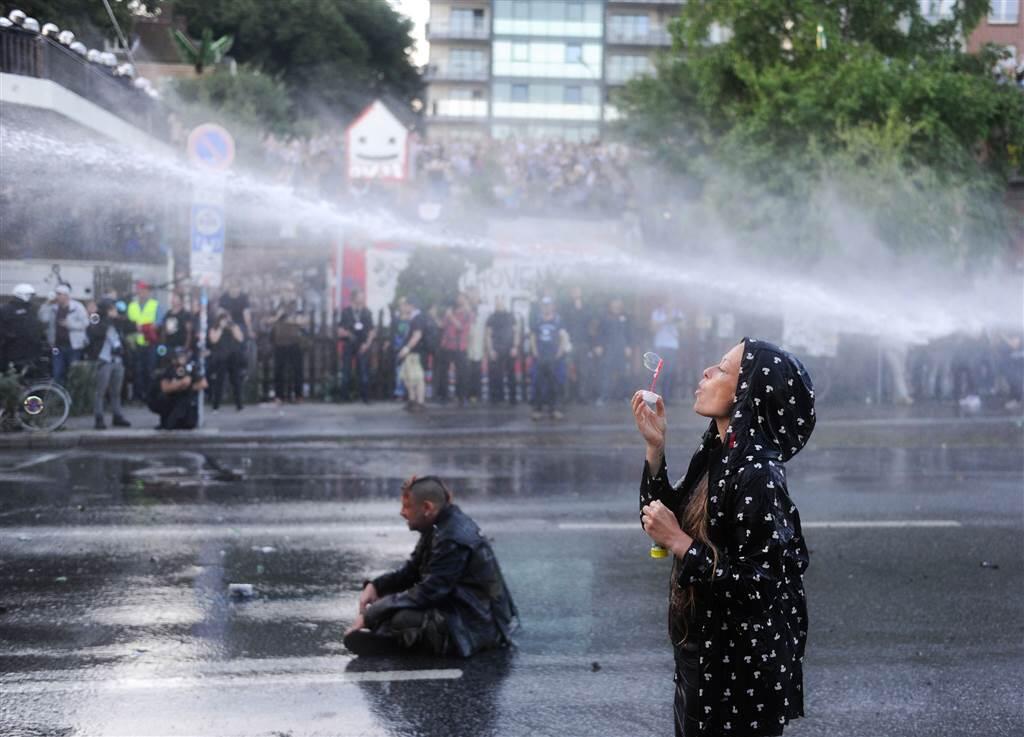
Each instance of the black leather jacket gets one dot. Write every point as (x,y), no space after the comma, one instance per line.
(453,570)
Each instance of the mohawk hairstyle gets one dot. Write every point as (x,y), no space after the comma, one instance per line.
(427,488)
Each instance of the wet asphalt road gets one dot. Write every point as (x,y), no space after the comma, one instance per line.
(115,620)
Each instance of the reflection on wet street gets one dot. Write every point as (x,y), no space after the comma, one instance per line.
(116,615)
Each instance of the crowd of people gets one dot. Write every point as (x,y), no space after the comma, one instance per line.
(532,176)
(561,349)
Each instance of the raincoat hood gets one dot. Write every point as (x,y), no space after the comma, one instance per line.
(773,411)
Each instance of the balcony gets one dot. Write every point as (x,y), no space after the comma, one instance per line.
(456,73)
(639,37)
(441,31)
(615,76)
(31,55)
(457,110)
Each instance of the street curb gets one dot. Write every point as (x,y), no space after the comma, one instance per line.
(65,440)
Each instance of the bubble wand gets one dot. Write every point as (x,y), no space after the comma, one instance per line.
(653,362)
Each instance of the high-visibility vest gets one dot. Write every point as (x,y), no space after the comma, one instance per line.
(142,316)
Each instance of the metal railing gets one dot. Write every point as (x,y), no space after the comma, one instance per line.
(32,55)
(635,37)
(462,31)
(455,72)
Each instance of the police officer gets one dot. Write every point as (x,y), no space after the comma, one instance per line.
(20,332)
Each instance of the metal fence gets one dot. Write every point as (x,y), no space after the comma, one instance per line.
(32,55)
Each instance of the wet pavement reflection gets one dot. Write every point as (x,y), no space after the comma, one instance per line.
(116,615)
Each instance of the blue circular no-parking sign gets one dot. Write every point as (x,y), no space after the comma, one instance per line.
(211,147)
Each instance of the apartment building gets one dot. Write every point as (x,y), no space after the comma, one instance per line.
(1004,25)
(536,68)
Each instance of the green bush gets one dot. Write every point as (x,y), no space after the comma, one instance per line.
(81,385)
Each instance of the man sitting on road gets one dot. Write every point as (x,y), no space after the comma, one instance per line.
(448,599)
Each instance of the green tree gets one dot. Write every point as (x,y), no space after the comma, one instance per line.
(204,54)
(247,99)
(334,55)
(888,114)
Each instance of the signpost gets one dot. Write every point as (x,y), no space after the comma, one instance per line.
(211,149)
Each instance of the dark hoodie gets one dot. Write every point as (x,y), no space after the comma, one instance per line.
(751,613)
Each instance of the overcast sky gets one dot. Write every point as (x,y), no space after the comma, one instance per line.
(418,10)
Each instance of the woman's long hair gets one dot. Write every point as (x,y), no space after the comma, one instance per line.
(693,518)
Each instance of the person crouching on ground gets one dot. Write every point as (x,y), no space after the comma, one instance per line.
(176,398)
(449,598)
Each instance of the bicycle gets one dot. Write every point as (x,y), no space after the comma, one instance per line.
(39,405)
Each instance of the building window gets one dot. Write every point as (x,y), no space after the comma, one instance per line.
(521,10)
(622,68)
(520,52)
(520,93)
(1004,11)
(936,10)
(629,26)
(573,53)
(467,19)
(574,11)
(573,95)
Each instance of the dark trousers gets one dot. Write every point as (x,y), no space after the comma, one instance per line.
(355,365)
(687,678)
(501,377)
(423,631)
(143,363)
(288,372)
(613,373)
(546,391)
(474,379)
(227,367)
(445,359)
(62,360)
(179,411)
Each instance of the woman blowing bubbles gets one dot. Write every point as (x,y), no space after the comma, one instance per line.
(737,613)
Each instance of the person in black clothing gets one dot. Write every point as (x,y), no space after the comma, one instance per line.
(737,610)
(226,358)
(616,351)
(236,302)
(449,598)
(287,337)
(176,398)
(20,333)
(547,342)
(501,340)
(357,333)
(576,315)
(177,328)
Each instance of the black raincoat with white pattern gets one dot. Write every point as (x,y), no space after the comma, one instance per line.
(751,613)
